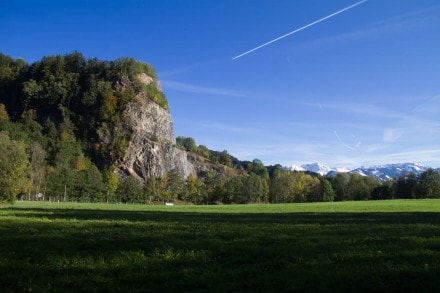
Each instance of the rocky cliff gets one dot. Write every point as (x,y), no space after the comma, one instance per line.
(111,115)
(151,149)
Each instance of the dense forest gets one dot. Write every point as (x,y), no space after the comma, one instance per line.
(53,112)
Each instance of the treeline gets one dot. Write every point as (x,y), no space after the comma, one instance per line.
(276,184)
(26,174)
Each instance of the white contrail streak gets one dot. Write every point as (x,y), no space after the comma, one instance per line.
(358,144)
(301,28)
(343,143)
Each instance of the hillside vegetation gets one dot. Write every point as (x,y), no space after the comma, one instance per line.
(62,134)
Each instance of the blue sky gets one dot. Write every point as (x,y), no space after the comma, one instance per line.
(360,88)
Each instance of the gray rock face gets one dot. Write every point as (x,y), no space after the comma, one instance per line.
(151,150)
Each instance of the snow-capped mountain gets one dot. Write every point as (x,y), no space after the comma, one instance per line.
(390,171)
(319,168)
(384,172)
(297,168)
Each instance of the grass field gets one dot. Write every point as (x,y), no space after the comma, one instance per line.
(346,246)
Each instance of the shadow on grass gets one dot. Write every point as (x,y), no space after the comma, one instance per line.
(185,217)
(100,250)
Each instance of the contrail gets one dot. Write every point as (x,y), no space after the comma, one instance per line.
(301,28)
(358,144)
(343,143)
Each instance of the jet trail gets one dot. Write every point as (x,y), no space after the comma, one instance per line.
(301,28)
(358,144)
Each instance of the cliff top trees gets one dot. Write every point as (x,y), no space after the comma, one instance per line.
(188,143)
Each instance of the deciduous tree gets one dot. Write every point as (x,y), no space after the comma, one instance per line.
(429,184)
(14,168)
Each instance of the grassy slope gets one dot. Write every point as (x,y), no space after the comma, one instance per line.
(384,245)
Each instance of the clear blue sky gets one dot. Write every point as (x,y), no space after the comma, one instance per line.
(361,88)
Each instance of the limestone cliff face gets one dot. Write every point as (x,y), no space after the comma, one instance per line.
(151,150)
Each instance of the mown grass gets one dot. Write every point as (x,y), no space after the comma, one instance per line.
(361,246)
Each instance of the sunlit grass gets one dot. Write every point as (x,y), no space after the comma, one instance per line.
(426,205)
(389,245)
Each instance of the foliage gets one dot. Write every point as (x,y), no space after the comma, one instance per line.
(130,190)
(429,184)
(3,113)
(111,180)
(61,108)
(83,98)
(156,96)
(90,186)
(39,167)
(193,190)
(174,186)
(384,191)
(131,68)
(327,190)
(153,190)
(14,169)
(357,189)
(406,186)
(340,185)
(289,186)
(203,151)
(187,143)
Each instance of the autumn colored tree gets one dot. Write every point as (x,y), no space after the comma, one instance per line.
(193,191)
(153,189)
(3,113)
(111,182)
(14,169)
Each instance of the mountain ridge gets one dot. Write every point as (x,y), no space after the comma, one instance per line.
(384,172)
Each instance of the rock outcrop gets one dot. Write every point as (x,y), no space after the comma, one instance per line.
(151,149)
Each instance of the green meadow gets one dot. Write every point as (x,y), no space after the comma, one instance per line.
(342,246)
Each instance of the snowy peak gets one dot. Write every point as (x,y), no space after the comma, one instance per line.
(387,172)
(315,168)
(297,168)
(319,169)
(384,172)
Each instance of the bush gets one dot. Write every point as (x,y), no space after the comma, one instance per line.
(130,190)
(156,96)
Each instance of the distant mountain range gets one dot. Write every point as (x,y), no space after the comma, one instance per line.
(319,168)
(384,172)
